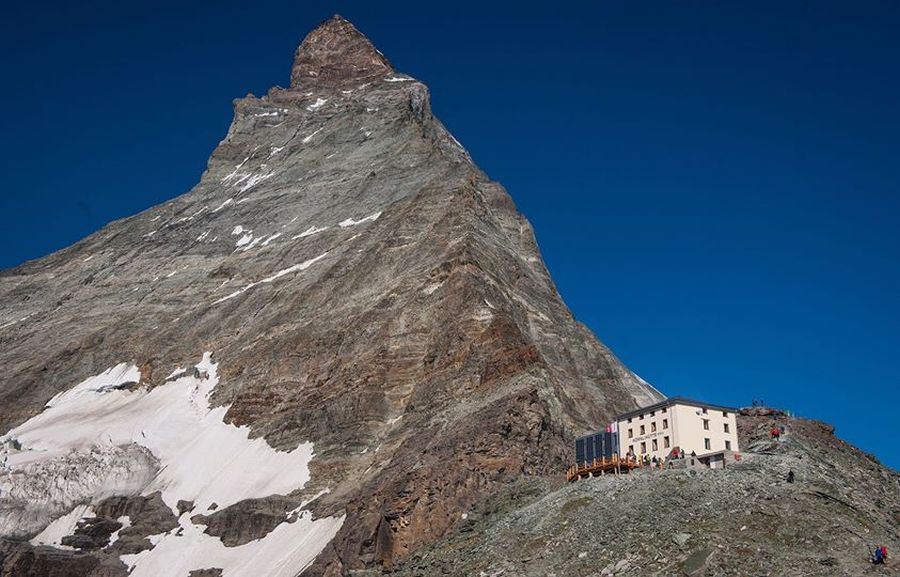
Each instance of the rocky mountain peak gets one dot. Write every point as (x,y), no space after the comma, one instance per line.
(344,300)
(336,53)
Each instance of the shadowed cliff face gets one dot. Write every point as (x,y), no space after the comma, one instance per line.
(362,286)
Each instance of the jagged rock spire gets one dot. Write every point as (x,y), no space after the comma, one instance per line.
(336,53)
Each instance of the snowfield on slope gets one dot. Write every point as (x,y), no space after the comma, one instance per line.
(200,459)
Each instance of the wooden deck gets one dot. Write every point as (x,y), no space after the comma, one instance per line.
(613,466)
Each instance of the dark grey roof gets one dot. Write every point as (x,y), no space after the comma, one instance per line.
(674,401)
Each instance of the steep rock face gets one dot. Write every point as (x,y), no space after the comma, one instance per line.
(363,286)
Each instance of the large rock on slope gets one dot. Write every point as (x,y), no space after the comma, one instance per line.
(363,286)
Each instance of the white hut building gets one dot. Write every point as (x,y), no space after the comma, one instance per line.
(692,426)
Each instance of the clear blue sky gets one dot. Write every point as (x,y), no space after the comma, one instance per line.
(715,186)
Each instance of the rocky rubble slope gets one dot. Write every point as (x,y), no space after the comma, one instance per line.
(746,520)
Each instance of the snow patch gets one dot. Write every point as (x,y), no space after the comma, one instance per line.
(271,238)
(234,172)
(350,222)
(319,103)
(255,179)
(223,205)
(244,240)
(62,527)
(285,552)
(309,232)
(125,521)
(201,459)
(308,138)
(397,79)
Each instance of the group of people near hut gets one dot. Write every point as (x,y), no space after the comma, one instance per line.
(658,462)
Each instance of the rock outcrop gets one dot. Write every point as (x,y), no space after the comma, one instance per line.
(362,285)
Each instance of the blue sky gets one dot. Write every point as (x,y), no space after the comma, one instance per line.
(714,186)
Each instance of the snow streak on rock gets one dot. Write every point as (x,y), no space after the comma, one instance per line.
(350,222)
(296,268)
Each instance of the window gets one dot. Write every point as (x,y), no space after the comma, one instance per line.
(653,427)
(630,433)
(629,419)
(726,428)
(642,429)
(652,413)
(655,445)
(706,424)
(725,414)
(704,410)
(665,423)
(631,449)
(641,417)
(663,409)
(666,442)
(727,445)
(707,444)
(643,448)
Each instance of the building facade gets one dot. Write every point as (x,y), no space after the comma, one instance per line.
(692,426)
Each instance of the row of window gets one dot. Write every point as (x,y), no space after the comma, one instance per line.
(706,426)
(654,445)
(664,409)
(652,414)
(665,425)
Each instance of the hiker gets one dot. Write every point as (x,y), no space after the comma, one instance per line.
(790,477)
(682,453)
(878,557)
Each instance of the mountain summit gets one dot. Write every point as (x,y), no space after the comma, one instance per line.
(336,53)
(322,356)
